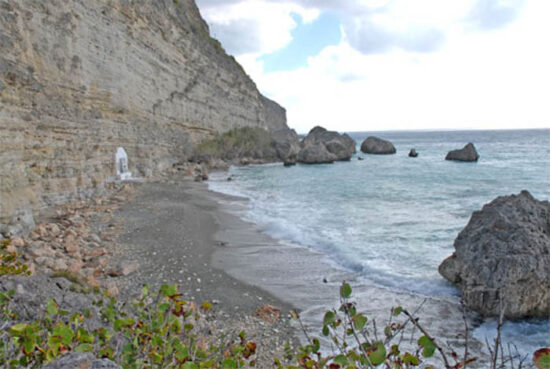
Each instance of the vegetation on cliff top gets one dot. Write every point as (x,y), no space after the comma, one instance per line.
(245,142)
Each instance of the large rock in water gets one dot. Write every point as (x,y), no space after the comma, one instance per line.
(467,153)
(503,254)
(375,145)
(322,146)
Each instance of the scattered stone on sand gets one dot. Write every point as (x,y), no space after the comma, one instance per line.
(467,153)
(378,146)
(503,255)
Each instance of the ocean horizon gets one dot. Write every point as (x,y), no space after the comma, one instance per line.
(390,220)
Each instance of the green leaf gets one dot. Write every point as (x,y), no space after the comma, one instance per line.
(85,347)
(397,311)
(341,360)
(541,358)
(206,305)
(229,364)
(326,331)
(144,291)
(316,345)
(169,290)
(51,307)
(359,322)
(64,333)
(411,359)
(345,290)
(329,318)
(29,345)
(18,329)
(378,355)
(428,346)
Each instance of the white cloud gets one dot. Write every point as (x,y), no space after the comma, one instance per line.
(255,26)
(487,74)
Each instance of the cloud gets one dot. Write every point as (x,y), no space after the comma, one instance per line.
(427,64)
(265,26)
(370,38)
(494,14)
(253,26)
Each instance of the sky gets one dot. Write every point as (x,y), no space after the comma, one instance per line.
(374,65)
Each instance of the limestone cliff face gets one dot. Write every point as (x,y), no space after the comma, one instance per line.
(78,78)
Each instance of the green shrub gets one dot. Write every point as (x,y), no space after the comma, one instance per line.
(242,142)
(359,344)
(158,331)
(10,262)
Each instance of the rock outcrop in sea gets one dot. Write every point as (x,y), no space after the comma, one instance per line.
(503,256)
(375,145)
(80,78)
(413,153)
(322,146)
(467,153)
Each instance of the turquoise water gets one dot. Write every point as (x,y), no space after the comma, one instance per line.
(393,219)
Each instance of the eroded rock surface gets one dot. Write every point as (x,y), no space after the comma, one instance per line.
(322,146)
(375,145)
(80,78)
(503,254)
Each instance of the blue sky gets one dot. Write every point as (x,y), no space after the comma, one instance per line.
(357,65)
(308,39)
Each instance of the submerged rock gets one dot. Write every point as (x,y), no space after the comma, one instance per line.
(413,153)
(375,145)
(467,153)
(322,146)
(503,255)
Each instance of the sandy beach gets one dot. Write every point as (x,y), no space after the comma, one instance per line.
(178,231)
(171,230)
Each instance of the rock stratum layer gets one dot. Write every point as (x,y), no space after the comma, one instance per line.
(503,256)
(79,78)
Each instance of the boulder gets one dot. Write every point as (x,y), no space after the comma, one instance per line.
(316,154)
(322,146)
(287,144)
(413,153)
(375,145)
(503,256)
(81,360)
(467,153)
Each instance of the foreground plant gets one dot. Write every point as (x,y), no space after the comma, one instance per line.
(10,262)
(358,343)
(158,331)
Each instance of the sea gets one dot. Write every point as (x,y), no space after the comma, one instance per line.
(390,220)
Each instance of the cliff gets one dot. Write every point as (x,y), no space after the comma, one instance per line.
(79,78)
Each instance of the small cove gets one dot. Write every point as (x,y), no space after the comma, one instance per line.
(386,222)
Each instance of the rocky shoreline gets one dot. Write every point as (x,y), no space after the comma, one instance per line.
(150,233)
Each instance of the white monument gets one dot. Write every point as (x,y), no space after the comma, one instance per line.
(121,164)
